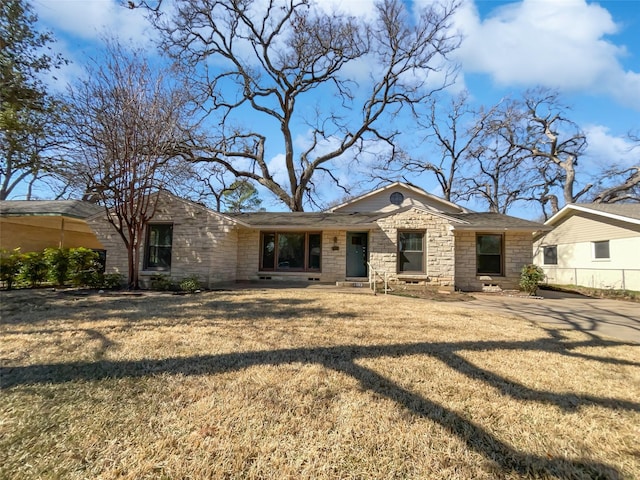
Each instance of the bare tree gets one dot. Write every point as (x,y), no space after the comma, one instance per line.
(624,182)
(126,121)
(554,141)
(261,67)
(453,128)
(497,173)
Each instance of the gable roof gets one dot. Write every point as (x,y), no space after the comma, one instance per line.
(625,212)
(417,190)
(66,208)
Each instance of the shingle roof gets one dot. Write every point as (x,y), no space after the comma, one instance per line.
(631,210)
(320,220)
(66,208)
(494,221)
(306,219)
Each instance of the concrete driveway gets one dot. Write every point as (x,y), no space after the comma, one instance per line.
(600,317)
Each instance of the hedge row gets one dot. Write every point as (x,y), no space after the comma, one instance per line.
(80,267)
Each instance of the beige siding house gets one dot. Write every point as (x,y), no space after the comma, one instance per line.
(592,245)
(33,225)
(398,231)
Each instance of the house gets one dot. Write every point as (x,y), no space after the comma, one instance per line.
(593,245)
(33,225)
(399,231)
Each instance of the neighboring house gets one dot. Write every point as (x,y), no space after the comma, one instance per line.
(33,225)
(399,230)
(593,245)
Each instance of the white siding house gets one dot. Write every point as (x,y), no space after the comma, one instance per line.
(592,245)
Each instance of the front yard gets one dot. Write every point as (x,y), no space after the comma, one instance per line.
(305,383)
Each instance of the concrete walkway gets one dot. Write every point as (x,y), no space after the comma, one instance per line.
(609,318)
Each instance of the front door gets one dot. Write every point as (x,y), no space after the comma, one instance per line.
(357,255)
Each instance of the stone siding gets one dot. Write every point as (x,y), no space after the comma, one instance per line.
(438,248)
(204,243)
(517,253)
(333,262)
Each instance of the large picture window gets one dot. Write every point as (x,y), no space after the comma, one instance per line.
(411,252)
(158,247)
(489,254)
(291,251)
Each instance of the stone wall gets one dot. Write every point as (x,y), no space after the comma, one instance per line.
(438,248)
(517,253)
(333,261)
(204,243)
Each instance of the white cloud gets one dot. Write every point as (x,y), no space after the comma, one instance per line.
(558,44)
(89,20)
(605,149)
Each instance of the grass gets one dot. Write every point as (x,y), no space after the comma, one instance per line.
(305,383)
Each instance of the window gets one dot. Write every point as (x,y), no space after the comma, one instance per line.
(489,254)
(396,198)
(550,255)
(410,252)
(601,250)
(158,247)
(290,251)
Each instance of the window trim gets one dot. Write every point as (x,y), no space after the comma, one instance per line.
(544,254)
(593,251)
(307,251)
(147,248)
(502,253)
(422,270)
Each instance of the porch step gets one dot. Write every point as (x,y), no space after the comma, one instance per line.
(354,284)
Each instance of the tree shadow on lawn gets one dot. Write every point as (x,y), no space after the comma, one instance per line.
(344,359)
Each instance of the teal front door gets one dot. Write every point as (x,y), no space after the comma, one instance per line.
(357,254)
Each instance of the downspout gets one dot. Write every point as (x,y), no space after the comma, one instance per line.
(61,232)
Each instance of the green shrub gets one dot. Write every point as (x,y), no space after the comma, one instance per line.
(10,263)
(58,263)
(161,282)
(112,281)
(190,284)
(530,277)
(34,268)
(85,268)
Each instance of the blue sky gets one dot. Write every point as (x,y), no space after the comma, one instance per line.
(589,51)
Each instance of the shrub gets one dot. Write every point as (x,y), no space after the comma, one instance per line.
(34,268)
(84,267)
(112,281)
(190,284)
(161,282)
(58,262)
(530,277)
(10,263)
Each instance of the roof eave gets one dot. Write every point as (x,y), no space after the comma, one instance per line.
(487,228)
(308,228)
(580,208)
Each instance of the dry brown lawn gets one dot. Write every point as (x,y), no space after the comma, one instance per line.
(306,383)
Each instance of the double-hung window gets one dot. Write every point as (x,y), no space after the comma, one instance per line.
(489,259)
(291,251)
(157,255)
(410,251)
